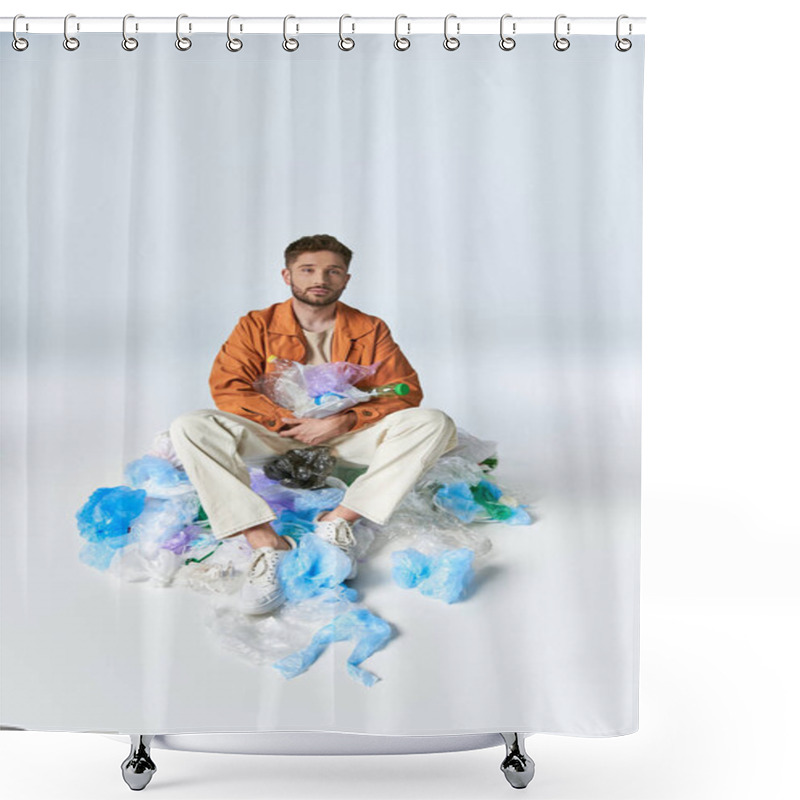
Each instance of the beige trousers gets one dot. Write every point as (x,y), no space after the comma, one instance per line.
(217,447)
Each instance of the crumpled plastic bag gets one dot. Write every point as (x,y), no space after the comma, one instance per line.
(301,467)
(133,564)
(370,631)
(188,538)
(444,576)
(483,502)
(314,390)
(158,477)
(162,447)
(312,567)
(105,520)
(162,518)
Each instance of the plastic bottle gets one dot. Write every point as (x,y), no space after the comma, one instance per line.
(390,389)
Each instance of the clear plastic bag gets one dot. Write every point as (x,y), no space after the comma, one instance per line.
(319,390)
(314,390)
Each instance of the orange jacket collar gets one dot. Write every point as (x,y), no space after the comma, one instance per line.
(350,323)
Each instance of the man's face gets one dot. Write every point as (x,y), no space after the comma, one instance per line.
(317,279)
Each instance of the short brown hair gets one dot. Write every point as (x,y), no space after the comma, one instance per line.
(313,244)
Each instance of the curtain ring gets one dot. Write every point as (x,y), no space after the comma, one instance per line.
(561,43)
(128,42)
(506,42)
(70,42)
(18,43)
(234,45)
(181,42)
(401,43)
(623,45)
(290,45)
(451,42)
(346,43)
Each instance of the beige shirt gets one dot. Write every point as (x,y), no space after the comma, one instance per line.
(319,343)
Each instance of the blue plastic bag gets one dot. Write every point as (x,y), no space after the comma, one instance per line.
(444,576)
(370,631)
(104,520)
(313,567)
(157,476)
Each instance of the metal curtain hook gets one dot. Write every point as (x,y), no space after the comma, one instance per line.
(70,42)
(182,42)
(234,45)
(346,43)
(128,42)
(507,42)
(451,42)
(623,45)
(289,45)
(18,43)
(561,43)
(401,43)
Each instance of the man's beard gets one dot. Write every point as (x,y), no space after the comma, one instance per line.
(316,300)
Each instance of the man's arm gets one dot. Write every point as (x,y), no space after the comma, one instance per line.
(394,368)
(239,362)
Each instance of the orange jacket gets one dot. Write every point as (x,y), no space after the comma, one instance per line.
(357,337)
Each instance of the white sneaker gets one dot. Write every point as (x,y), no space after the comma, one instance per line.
(338,532)
(262,591)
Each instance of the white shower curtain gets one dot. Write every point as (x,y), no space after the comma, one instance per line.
(492,201)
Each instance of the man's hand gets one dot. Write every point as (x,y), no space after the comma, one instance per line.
(317,431)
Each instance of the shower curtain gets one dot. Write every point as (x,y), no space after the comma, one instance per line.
(492,202)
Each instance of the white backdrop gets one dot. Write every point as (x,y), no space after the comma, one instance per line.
(719,207)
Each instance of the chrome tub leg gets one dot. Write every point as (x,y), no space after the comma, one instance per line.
(138,768)
(517,766)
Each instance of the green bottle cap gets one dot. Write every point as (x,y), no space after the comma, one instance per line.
(402,388)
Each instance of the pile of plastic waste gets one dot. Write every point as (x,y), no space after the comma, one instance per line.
(153,528)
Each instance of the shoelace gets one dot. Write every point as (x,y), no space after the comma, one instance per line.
(265,563)
(341,533)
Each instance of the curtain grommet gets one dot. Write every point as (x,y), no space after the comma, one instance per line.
(17,42)
(345,42)
(451,42)
(400,42)
(561,43)
(233,44)
(507,42)
(623,45)
(129,43)
(70,42)
(289,45)
(182,42)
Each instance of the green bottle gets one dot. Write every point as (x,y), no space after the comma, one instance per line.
(390,389)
